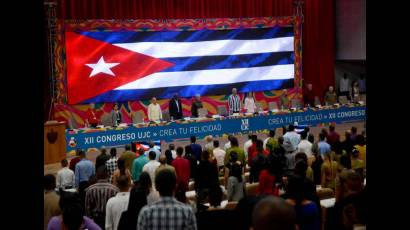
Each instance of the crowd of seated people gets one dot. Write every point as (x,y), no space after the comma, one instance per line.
(275,183)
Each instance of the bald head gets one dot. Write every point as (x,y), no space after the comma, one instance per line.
(234,91)
(273,213)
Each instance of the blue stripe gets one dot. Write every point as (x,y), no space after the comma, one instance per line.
(229,61)
(190,36)
(190,91)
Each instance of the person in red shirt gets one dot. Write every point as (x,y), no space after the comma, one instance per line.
(75,160)
(252,149)
(332,136)
(91,119)
(182,169)
(308,95)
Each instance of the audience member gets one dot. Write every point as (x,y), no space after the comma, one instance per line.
(215,197)
(163,164)
(167,213)
(196,148)
(193,163)
(236,184)
(182,170)
(128,156)
(138,164)
(304,145)
(329,171)
(273,213)
(270,143)
(209,146)
(83,171)
(121,170)
(75,160)
(346,168)
(347,144)
(219,155)
(332,137)
(65,176)
(97,195)
(235,148)
(111,164)
(117,204)
(361,147)
(353,135)
(168,156)
(207,176)
(323,146)
(51,199)
(259,162)
(102,158)
(357,164)
(292,137)
(268,178)
(151,166)
(172,148)
(153,148)
(247,144)
(302,168)
(228,144)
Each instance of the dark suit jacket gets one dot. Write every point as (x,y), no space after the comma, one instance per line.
(173,109)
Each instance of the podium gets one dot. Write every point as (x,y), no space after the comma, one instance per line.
(54,142)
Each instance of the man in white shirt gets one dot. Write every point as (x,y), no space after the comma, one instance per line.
(65,176)
(219,154)
(344,86)
(247,144)
(291,137)
(153,148)
(304,145)
(151,166)
(117,204)
(154,110)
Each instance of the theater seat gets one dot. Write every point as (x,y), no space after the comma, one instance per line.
(325,193)
(252,189)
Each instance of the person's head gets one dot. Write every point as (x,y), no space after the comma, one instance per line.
(205,155)
(355,153)
(273,213)
(348,134)
(151,144)
(234,142)
(303,135)
(209,138)
(291,128)
(197,97)
(311,138)
(216,143)
(180,151)
(72,210)
(49,182)
(331,128)
(296,189)
(250,95)
(285,92)
(237,172)
(327,156)
(322,136)
(152,155)
(215,195)
(127,147)
(259,146)
(301,156)
(168,154)
(193,139)
(64,163)
(165,182)
(300,168)
(281,140)
(324,131)
(82,154)
(356,84)
(254,138)
(272,133)
(171,147)
(345,162)
(115,106)
(141,152)
(102,173)
(309,86)
(345,75)
(230,137)
(354,130)
(163,159)
(360,140)
(154,100)
(331,89)
(145,182)
(176,96)
(113,152)
(234,91)
(123,183)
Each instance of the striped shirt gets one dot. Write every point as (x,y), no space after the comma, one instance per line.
(167,213)
(96,198)
(111,166)
(234,103)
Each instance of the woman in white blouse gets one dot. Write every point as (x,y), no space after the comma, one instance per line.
(250,106)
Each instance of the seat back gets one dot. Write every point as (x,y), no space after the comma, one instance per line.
(259,107)
(317,101)
(296,103)
(273,105)
(252,189)
(165,115)
(202,112)
(137,117)
(363,98)
(222,110)
(343,100)
(106,120)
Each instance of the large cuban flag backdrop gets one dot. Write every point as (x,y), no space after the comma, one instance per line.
(110,66)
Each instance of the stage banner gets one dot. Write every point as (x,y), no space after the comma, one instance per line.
(217,127)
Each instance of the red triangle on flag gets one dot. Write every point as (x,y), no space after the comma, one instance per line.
(83,82)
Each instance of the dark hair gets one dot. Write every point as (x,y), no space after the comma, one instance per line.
(234,142)
(355,153)
(81,153)
(272,133)
(322,136)
(113,152)
(360,140)
(64,162)
(205,155)
(165,182)
(296,189)
(354,129)
(145,182)
(215,195)
(311,138)
(301,167)
(345,161)
(193,139)
(291,127)
(237,172)
(230,136)
(216,143)
(121,166)
(123,182)
(254,138)
(168,155)
(152,155)
(303,135)
(273,213)
(281,140)
(180,151)
(324,131)
(127,147)
(49,182)
(301,156)
(331,128)
(72,210)
(171,146)
(141,151)
(151,144)
(259,146)
(103,151)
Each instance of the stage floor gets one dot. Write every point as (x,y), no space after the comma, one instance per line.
(340,128)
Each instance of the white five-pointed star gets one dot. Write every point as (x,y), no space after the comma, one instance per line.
(101,67)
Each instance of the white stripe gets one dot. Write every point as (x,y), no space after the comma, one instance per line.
(210,48)
(212,77)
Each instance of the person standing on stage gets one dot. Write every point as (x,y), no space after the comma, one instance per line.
(91,120)
(234,102)
(250,106)
(344,86)
(116,116)
(154,110)
(330,96)
(175,107)
(309,96)
(196,104)
(284,99)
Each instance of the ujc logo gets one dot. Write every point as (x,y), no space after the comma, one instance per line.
(245,124)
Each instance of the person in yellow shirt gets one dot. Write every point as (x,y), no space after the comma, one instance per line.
(361,147)
(329,171)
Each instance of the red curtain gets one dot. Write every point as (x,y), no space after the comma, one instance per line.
(317,36)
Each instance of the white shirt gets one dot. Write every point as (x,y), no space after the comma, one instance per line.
(265,142)
(293,138)
(219,155)
(209,145)
(152,197)
(306,147)
(250,105)
(65,177)
(246,146)
(154,112)
(174,154)
(115,206)
(344,85)
(150,168)
(227,145)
